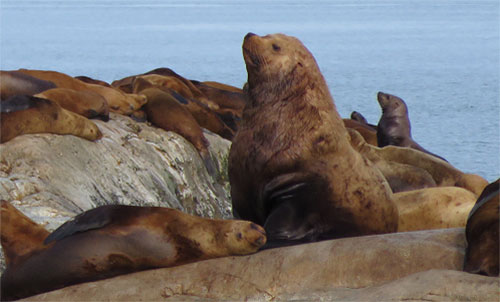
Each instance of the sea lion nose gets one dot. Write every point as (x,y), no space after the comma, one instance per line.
(249,35)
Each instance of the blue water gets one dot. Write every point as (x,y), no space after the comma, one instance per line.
(440,56)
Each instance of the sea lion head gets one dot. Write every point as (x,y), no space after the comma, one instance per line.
(243,237)
(392,105)
(278,60)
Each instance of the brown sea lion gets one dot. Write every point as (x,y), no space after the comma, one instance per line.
(118,101)
(24,114)
(401,177)
(164,111)
(14,83)
(394,125)
(90,80)
(433,208)
(482,253)
(84,102)
(19,234)
(116,239)
(369,134)
(442,172)
(205,117)
(291,166)
(230,103)
(126,84)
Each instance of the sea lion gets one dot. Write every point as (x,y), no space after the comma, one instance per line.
(401,177)
(14,83)
(433,208)
(230,103)
(482,253)
(24,114)
(85,102)
(205,117)
(163,111)
(356,116)
(442,172)
(117,239)
(369,134)
(118,101)
(19,234)
(291,166)
(394,125)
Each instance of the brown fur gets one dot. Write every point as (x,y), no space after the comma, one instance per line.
(85,102)
(433,208)
(29,114)
(16,83)
(19,234)
(401,177)
(482,254)
(291,166)
(205,117)
(369,134)
(163,111)
(443,173)
(118,101)
(113,240)
(230,103)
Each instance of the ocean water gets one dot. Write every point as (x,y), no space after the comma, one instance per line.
(441,57)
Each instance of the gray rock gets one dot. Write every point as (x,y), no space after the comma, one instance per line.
(51,178)
(414,265)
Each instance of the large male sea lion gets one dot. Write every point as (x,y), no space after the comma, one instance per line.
(291,166)
(14,83)
(394,125)
(24,114)
(117,239)
(482,253)
(84,102)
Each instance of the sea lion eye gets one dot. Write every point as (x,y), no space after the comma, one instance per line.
(276,47)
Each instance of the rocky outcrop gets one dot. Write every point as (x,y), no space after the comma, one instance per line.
(51,178)
(418,266)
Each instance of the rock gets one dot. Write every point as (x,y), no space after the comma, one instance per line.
(431,285)
(345,268)
(51,178)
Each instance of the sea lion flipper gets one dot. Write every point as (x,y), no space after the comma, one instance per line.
(90,220)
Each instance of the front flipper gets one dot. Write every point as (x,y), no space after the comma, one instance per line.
(89,220)
(289,219)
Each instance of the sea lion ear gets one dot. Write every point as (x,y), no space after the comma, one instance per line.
(276,47)
(300,64)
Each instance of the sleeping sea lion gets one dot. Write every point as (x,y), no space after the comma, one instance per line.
(117,239)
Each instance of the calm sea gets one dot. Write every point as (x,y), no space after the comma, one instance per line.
(440,56)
